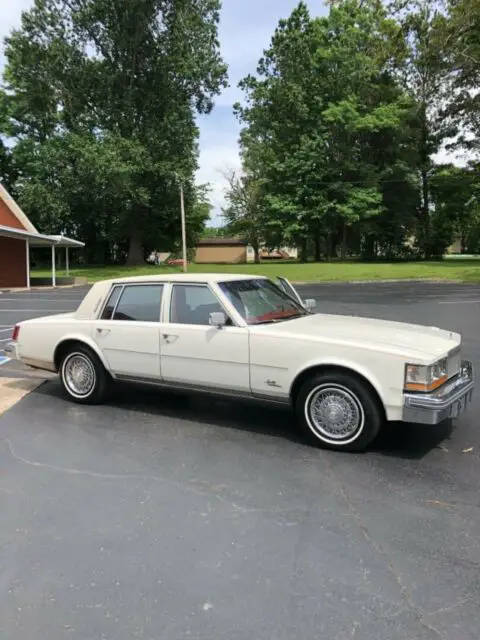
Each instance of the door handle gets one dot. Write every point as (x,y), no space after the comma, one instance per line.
(103,332)
(169,337)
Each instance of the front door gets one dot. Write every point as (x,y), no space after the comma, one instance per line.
(128,332)
(196,354)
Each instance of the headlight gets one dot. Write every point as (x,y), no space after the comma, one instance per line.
(426,378)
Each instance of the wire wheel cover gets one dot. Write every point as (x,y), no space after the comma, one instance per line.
(334,412)
(79,375)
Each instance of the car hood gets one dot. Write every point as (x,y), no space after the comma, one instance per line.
(386,335)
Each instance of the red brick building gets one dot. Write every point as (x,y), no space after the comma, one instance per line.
(17,236)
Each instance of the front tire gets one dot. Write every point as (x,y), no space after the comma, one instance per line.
(83,376)
(338,411)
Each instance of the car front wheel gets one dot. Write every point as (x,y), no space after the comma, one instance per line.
(338,411)
(83,376)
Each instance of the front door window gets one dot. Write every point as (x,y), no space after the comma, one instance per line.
(192,304)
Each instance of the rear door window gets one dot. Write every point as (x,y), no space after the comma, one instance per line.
(140,303)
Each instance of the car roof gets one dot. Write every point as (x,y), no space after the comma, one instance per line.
(186,277)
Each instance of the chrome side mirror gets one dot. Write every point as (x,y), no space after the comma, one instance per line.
(217,319)
(310,304)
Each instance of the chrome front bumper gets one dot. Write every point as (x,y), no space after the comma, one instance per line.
(449,401)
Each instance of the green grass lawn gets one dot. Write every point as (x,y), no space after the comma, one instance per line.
(459,270)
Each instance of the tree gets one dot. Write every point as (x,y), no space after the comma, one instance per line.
(320,110)
(456,196)
(462,41)
(8,173)
(216,232)
(425,72)
(243,214)
(125,79)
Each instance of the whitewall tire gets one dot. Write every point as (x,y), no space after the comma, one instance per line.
(83,376)
(338,411)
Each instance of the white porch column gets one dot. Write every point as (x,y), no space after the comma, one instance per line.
(54,277)
(67,265)
(27,261)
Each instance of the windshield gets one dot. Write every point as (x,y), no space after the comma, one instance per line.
(261,301)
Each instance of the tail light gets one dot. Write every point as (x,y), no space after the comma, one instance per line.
(16,331)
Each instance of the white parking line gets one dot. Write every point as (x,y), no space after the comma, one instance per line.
(460,302)
(6,340)
(5,330)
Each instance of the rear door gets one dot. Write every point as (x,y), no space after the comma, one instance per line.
(128,331)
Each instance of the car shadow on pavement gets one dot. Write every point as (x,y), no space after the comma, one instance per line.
(398,440)
(411,441)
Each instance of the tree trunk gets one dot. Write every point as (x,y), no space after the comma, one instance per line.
(256,252)
(344,241)
(100,252)
(318,254)
(370,253)
(89,234)
(303,250)
(425,210)
(425,213)
(135,251)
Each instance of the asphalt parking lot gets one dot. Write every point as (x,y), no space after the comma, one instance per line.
(167,517)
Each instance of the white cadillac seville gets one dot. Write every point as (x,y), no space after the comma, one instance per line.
(246,336)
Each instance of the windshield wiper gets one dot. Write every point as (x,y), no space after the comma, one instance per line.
(274,320)
(299,315)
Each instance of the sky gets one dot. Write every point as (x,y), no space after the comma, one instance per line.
(245,30)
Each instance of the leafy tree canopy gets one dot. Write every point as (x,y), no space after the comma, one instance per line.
(102,101)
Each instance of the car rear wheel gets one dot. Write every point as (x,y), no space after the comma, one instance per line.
(338,411)
(83,376)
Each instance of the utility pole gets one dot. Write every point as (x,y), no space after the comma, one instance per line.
(184,230)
